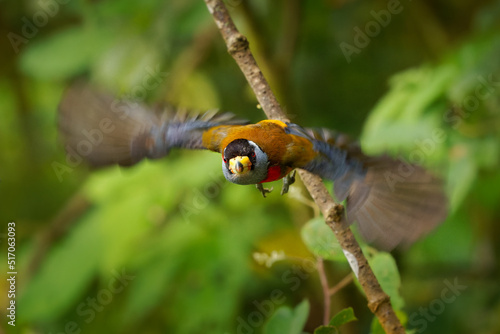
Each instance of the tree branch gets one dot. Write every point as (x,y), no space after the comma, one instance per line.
(237,45)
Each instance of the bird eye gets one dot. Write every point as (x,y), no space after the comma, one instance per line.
(252,154)
(224,159)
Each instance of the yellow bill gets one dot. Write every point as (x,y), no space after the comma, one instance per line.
(238,165)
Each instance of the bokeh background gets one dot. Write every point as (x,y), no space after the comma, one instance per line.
(170,247)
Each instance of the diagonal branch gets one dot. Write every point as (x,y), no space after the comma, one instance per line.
(237,44)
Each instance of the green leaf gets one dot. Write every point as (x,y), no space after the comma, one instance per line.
(385,269)
(376,327)
(343,317)
(429,90)
(412,109)
(288,321)
(321,241)
(326,330)
(463,172)
(126,200)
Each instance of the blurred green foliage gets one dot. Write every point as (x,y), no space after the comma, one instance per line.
(288,321)
(169,246)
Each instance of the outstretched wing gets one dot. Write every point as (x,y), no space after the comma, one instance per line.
(336,158)
(105,130)
(393,202)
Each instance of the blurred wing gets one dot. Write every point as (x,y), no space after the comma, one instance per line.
(393,202)
(105,130)
(336,155)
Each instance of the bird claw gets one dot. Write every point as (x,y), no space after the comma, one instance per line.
(288,180)
(263,190)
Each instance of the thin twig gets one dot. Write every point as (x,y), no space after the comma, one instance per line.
(340,285)
(237,44)
(326,289)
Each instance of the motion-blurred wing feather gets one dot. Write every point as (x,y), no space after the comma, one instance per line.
(105,130)
(337,156)
(393,202)
(395,208)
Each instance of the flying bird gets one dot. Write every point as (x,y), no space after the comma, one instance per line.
(392,201)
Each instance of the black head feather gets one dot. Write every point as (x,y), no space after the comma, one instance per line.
(240,147)
(258,158)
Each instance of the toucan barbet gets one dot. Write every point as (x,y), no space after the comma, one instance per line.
(392,201)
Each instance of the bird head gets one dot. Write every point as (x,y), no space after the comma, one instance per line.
(244,162)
